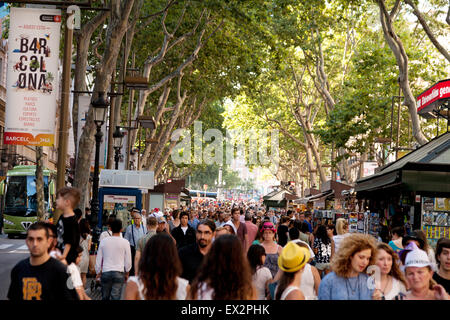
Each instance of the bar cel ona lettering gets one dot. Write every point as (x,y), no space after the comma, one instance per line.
(32,70)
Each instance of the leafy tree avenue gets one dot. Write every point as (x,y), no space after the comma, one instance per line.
(325,74)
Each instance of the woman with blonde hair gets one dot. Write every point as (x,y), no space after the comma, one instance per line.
(392,280)
(348,279)
(342,233)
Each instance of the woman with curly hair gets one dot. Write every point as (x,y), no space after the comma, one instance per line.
(392,281)
(348,279)
(159,272)
(224,274)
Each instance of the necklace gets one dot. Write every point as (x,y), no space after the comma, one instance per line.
(386,285)
(347,284)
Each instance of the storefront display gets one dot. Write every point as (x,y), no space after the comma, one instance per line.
(373,224)
(435,218)
(353,222)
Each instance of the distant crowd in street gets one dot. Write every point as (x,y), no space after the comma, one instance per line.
(225,251)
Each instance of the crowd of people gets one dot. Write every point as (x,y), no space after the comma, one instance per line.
(230,251)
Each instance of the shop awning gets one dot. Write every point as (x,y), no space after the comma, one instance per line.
(424,169)
(315,197)
(377,182)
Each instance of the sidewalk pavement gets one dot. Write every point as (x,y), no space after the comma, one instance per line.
(96,292)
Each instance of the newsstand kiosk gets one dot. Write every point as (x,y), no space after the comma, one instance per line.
(120,191)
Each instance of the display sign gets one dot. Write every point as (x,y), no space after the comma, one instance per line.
(436,219)
(32,76)
(433,96)
(369,168)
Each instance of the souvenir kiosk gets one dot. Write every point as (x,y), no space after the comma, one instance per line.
(414,191)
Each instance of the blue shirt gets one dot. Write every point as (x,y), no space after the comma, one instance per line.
(309,226)
(194,223)
(133,234)
(334,287)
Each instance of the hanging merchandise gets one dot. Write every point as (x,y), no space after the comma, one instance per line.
(353,222)
(436,218)
(373,224)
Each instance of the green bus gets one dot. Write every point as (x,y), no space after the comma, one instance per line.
(19,203)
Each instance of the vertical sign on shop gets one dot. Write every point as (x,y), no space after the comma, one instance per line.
(32,76)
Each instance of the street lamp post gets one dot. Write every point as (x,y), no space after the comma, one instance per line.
(100,107)
(118,141)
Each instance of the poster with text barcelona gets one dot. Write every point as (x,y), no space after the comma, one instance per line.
(32,76)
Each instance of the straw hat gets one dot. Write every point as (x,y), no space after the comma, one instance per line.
(293,257)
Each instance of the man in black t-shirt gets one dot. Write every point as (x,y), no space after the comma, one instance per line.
(283,231)
(442,276)
(67,199)
(40,277)
(191,256)
(184,234)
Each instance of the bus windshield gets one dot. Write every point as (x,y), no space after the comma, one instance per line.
(20,199)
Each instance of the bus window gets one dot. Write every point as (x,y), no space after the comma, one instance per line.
(31,193)
(16,193)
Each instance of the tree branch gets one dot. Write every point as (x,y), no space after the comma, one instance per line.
(427,30)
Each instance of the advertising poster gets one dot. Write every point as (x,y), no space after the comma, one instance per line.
(32,76)
(119,206)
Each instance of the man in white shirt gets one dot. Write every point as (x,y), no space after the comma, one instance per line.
(113,263)
(133,233)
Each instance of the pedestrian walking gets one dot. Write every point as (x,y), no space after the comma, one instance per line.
(273,250)
(348,280)
(175,222)
(419,276)
(283,231)
(252,229)
(53,236)
(419,238)
(240,228)
(40,277)
(322,249)
(442,275)
(292,260)
(221,231)
(67,199)
(392,280)
(191,256)
(107,232)
(397,237)
(159,272)
(224,275)
(113,263)
(133,233)
(342,233)
(151,231)
(184,234)
(310,279)
(75,276)
(85,244)
(261,276)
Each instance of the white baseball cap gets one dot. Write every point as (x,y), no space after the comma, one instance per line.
(417,258)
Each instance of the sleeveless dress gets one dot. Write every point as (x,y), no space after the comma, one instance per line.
(84,263)
(181,290)
(288,290)
(307,283)
(272,262)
